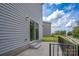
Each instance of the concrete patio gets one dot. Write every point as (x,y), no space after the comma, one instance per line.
(41,51)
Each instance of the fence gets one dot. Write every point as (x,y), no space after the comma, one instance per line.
(60,49)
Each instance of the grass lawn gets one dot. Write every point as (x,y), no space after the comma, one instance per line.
(50,39)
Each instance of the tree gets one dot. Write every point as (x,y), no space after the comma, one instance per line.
(76,32)
(69,33)
(78,23)
(60,32)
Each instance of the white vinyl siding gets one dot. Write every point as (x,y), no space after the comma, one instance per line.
(13,29)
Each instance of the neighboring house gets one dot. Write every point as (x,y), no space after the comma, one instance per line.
(19,25)
(46,28)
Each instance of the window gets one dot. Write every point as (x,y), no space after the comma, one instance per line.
(34,31)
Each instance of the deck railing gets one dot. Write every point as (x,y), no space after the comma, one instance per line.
(63,49)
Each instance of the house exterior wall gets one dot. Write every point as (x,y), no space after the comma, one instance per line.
(46,28)
(33,11)
(15,27)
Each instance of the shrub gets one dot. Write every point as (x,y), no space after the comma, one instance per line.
(50,39)
(76,32)
(69,33)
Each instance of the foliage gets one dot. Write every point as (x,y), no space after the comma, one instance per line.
(50,39)
(69,33)
(60,32)
(76,32)
(46,35)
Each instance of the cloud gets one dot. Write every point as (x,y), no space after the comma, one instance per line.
(48,8)
(63,20)
(70,7)
(45,19)
(55,14)
(64,23)
(50,4)
(71,23)
(57,3)
(62,17)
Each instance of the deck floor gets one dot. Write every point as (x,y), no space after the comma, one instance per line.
(43,50)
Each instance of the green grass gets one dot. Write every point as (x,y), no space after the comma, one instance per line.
(50,39)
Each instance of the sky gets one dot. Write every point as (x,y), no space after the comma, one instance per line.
(63,16)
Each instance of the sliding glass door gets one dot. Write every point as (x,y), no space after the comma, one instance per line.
(37,31)
(31,30)
(34,31)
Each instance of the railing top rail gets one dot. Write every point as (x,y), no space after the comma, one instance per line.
(70,39)
(62,44)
